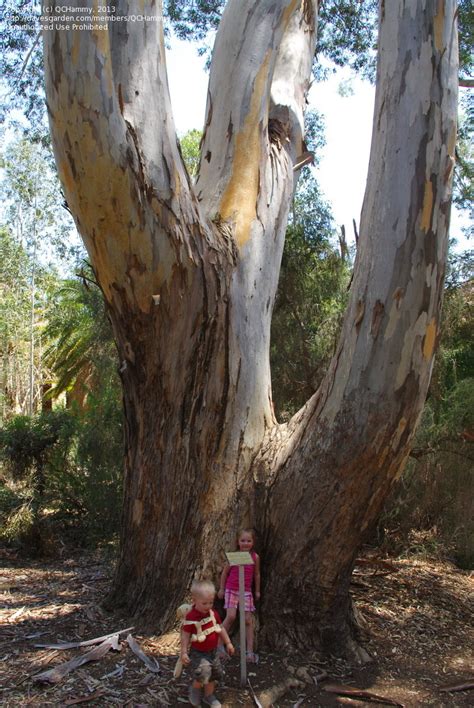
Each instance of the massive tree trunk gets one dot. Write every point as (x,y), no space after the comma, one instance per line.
(189,274)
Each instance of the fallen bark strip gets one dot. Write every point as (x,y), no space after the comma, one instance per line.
(268,697)
(464,686)
(256,701)
(360,694)
(85,699)
(151,664)
(59,672)
(86,643)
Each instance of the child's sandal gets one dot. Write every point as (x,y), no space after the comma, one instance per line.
(251,657)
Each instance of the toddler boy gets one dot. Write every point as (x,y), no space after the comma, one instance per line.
(201,632)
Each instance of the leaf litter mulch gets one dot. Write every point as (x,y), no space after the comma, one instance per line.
(59,648)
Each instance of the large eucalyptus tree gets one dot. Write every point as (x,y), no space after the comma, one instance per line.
(189,274)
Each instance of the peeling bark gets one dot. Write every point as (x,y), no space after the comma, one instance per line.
(190,274)
(342,453)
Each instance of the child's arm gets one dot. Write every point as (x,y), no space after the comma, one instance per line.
(224,574)
(225,639)
(185,642)
(257,577)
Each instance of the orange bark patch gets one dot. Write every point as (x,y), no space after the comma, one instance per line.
(240,197)
(398,433)
(430,339)
(427,207)
(438,24)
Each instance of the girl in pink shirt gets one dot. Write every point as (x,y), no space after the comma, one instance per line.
(229,589)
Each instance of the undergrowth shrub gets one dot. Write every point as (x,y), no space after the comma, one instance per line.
(61,476)
(92,484)
(19,524)
(431,510)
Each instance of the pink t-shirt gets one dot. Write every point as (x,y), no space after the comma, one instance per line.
(232,582)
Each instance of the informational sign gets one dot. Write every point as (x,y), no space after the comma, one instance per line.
(241,558)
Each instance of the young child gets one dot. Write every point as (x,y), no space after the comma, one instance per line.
(229,589)
(200,635)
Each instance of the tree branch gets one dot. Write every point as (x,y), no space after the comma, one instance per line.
(346,446)
(116,151)
(235,141)
(140,79)
(28,56)
(291,78)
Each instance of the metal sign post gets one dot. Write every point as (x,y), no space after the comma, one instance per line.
(241,558)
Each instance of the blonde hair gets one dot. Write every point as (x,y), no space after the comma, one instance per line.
(201,587)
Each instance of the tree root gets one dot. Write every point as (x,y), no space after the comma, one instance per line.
(356,653)
(271,695)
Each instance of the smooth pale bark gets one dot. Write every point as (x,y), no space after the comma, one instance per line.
(342,453)
(190,275)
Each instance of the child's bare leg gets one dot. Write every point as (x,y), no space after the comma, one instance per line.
(227,624)
(209,688)
(229,618)
(249,630)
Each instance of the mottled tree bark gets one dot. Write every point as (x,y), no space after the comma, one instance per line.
(190,274)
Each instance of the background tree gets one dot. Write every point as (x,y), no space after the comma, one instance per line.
(466,41)
(60,470)
(33,210)
(312,290)
(19,358)
(21,62)
(463,193)
(308,314)
(190,147)
(80,352)
(190,274)
(14,317)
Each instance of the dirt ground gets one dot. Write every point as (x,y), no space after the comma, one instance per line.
(417,615)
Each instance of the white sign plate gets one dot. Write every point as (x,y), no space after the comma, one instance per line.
(239,558)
